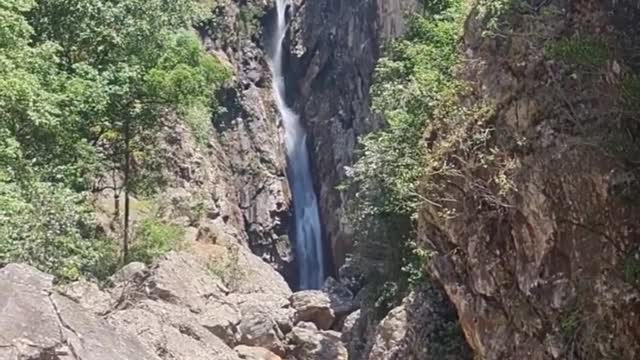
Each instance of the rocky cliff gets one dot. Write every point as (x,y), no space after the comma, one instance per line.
(545,269)
(334,50)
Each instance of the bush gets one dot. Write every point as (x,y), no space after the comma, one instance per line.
(414,85)
(51,228)
(154,238)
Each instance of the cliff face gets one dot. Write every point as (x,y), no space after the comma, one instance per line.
(334,47)
(247,144)
(548,271)
(334,51)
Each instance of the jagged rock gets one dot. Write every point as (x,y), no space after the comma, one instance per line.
(255,353)
(88,295)
(263,318)
(309,343)
(338,48)
(423,327)
(259,277)
(180,278)
(350,276)
(222,319)
(171,331)
(38,323)
(133,272)
(554,250)
(349,325)
(313,306)
(342,301)
(389,335)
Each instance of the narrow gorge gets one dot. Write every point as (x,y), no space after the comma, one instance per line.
(308,229)
(319,179)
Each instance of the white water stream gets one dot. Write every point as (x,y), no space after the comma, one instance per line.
(309,250)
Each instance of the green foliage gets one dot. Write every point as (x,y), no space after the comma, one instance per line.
(249,18)
(415,263)
(589,52)
(154,238)
(84,88)
(630,91)
(631,270)
(492,12)
(52,229)
(414,84)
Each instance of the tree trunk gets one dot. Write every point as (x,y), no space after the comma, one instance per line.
(125,243)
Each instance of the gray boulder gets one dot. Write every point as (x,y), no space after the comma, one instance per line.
(342,299)
(309,343)
(255,353)
(39,323)
(313,306)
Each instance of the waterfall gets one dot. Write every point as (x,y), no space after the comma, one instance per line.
(309,250)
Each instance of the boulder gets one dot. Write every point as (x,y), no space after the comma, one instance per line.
(259,277)
(313,306)
(88,295)
(171,331)
(222,319)
(255,353)
(39,323)
(181,279)
(389,335)
(349,326)
(133,272)
(309,343)
(342,300)
(263,318)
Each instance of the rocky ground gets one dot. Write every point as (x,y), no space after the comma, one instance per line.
(179,309)
(174,309)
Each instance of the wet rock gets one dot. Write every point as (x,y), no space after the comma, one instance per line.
(313,306)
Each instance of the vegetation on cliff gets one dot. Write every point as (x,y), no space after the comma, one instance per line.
(84,86)
(415,89)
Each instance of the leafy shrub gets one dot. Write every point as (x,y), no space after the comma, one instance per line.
(51,228)
(492,13)
(154,238)
(413,85)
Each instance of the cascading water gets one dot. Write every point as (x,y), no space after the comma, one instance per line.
(309,250)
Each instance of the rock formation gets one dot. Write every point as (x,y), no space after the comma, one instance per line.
(174,309)
(542,276)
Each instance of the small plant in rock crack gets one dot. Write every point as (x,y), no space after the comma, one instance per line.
(631,268)
(226,266)
(588,52)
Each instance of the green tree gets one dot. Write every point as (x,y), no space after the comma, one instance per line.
(140,57)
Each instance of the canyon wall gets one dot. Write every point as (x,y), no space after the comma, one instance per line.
(547,271)
(335,47)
